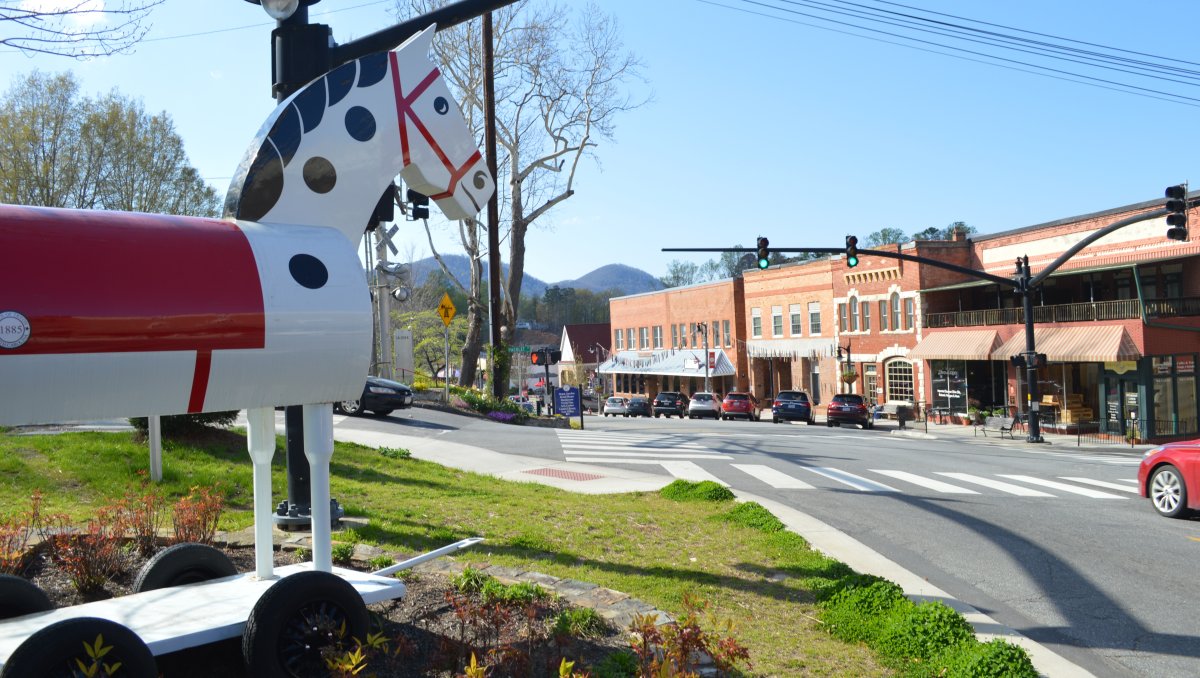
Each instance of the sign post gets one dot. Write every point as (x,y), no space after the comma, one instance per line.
(446,310)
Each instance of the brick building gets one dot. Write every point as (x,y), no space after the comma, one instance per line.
(659,340)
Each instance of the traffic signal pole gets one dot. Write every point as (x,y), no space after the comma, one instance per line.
(1023,284)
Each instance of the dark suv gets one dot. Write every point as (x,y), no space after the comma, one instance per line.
(848,408)
(670,403)
(792,406)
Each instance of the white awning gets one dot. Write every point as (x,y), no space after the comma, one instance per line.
(672,363)
(813,347)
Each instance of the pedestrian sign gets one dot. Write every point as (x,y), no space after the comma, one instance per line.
(446,309)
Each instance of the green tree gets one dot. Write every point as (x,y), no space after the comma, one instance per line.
(58,149)
(931,233)
(886,236)
(680,273)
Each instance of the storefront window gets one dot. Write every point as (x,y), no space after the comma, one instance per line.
(948,378)
(899,374)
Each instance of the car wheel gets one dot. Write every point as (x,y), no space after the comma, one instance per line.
(810,422)
(828,424)
(1168,493)
(774,420)
(350,407)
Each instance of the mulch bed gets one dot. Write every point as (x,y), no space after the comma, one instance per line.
(428,634)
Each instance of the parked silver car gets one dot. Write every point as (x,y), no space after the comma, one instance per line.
(704,404)
(616,406)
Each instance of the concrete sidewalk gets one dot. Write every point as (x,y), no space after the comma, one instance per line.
(970,435)
(592,479)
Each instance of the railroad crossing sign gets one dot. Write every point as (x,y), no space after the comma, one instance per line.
(386,238)
(446,309)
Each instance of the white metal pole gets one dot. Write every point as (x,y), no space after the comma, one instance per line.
(260,441)
(318,448)
(155,448)
(446,368)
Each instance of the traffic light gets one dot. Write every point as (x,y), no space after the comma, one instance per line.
(1177,212)
(420,205)
(851,251)
(763,252)
(538,357)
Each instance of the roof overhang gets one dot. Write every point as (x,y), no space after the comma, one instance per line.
(1092,343)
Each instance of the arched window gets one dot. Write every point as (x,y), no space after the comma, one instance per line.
(895,311)
(899,379)
(853,314)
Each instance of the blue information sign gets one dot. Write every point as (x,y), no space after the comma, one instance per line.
(567,401)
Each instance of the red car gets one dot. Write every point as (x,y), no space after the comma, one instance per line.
(1169,476)
(739,404)
(848,408)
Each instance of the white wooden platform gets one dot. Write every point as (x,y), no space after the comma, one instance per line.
(180,617)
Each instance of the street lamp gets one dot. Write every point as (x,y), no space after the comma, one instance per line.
(704,329)
(279,10)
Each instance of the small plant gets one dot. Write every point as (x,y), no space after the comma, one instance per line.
(754,515)
(343,553)
(705,490)
(471,580)
(195,516)
(621,664)
(303,554)
(922,631)
(143,515)
(973,659)
(95,652)
(674,649)
(381,561)
(91,555)
(579,622)
(395,452)
(514,595)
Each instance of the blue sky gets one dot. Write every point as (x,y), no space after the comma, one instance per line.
(758,126)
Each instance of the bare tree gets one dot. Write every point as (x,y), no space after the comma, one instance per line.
(74,28)
(680,273)
(560,83)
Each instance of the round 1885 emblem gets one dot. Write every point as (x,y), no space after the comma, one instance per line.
(14,329)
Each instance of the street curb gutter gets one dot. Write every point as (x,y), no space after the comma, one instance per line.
(823,537)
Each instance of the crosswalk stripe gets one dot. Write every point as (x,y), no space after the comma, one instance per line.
(857,482)
(1102,483)
(776,479)
(657,455)
(1095,494)
(609,460)
(929,483)
(995,484)
(623,445)
(690,471)
(1128,480)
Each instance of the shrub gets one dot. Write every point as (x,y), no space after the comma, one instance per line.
(143,516)
(91,555)
(580,622)
(753,515)
(195,516)
(380,562)
(470,580)
(395,452)
(972,659)
(343,553)
(922,631)
(621,664)
(705,490)
(515,595)
(185,423)
(859,611)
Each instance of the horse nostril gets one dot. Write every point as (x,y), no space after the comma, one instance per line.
(308,271)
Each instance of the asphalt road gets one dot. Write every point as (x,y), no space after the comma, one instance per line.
(1054,543)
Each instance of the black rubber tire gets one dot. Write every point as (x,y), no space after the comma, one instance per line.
(52,651)
(1168,492)
(810,422)
(298,617)
(381,413)
(828,424)
(19,597)
(183,564)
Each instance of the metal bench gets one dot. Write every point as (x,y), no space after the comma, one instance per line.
(1001,424)
(901,412)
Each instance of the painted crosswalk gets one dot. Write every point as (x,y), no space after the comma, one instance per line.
(682,456)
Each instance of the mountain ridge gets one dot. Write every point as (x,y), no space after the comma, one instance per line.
(616,279)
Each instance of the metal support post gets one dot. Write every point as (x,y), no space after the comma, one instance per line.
(1034,428)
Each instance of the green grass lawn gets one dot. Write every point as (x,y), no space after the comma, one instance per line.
(642,544)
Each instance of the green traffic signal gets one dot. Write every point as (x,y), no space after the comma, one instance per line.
(851,251)
(763,253)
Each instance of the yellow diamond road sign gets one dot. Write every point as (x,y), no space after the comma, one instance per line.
(446,309)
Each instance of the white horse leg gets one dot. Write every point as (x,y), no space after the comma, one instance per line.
(318,448)
(260,439)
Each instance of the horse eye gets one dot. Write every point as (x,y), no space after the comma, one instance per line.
(308,271)
(441,105)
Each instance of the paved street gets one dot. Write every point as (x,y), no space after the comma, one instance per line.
(1051,540)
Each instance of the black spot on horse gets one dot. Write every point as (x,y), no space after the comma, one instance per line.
(360,123)
(441,105)
(319,174)
(311,104)
(372,68)
(479,179)
(285,133)
(340,80)
(308,271)
(263,184)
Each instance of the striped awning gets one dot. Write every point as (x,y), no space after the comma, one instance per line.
(1088,343)
(672,363)
(957,345)
(813,347)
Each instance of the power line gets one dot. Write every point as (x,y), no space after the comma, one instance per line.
(1044,71)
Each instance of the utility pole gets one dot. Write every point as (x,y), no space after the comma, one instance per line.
(1034,427)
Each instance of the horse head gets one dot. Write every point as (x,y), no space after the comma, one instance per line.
(328,152)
